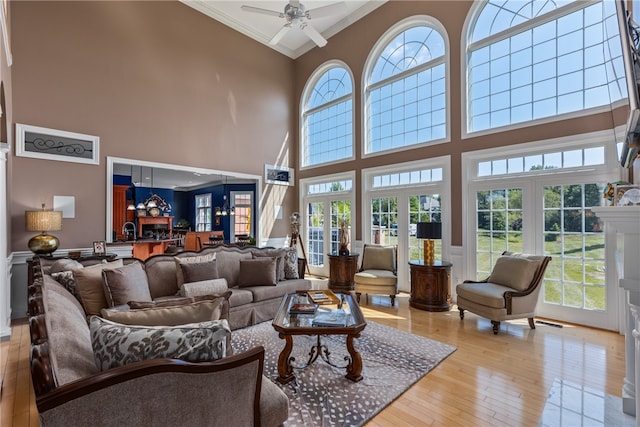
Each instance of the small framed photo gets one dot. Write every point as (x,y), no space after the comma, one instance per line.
(99,248)
(281,175)
(51,144)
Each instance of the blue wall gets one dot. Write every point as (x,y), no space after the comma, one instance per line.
(183,202)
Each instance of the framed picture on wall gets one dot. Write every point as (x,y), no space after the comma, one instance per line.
(51,144)
(281,175)
(99,247)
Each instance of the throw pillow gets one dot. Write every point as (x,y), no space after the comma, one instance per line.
(291,263)
(204,287)
(66,279)
(124,284)
(278,254)
(176,301)
(514,272)
(195,312)
(196,268)
(115,344)
(257,272)
(89,281)
(185,301)
(64,264)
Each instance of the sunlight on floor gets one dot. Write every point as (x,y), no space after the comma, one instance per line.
(571,404)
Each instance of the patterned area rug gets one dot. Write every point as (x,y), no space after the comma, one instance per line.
(393,360)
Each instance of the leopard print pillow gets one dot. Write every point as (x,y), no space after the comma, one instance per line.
(115,344)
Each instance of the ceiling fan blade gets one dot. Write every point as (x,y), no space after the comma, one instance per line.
(325,11)
(262,11)
(313,34)
(280,34)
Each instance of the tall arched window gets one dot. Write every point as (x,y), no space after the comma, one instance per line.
(327,116)
(406,87)
(530,60)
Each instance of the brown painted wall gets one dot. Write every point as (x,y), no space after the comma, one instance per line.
(354,44)
(156,81)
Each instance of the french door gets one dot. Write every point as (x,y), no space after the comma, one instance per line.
(552,216)
(393,221)
(323,218)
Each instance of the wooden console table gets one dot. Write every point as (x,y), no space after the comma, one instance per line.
(430,284)
(342,268)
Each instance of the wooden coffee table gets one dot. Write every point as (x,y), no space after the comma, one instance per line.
(289,325)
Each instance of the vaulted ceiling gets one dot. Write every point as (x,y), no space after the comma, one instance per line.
(263,26)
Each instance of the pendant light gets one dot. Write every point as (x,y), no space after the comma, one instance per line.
(131,206)
(140,206)
(151,203)
(224,210)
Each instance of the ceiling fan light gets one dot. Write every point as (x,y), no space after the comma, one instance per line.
(140,206)
(131,207)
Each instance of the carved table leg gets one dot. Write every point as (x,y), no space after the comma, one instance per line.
(354,369)
(285,370)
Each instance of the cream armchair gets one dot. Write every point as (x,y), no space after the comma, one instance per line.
(510,292)
(377,274)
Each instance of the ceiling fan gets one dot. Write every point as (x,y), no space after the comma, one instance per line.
(297,15)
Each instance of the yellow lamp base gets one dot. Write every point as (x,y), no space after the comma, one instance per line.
(429,252)
(43,244)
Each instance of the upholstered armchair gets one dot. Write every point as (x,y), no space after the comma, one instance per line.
(510,292)
(378,272)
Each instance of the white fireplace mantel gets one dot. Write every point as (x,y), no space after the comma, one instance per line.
(625,220)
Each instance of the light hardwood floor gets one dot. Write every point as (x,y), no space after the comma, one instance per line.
(488,381)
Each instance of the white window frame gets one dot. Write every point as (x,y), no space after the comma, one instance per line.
(209,197)
(305,199)
(470,20)
(443,188)
(304,99)
(232,204)
(381,44)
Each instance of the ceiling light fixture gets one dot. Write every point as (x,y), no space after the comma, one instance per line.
(224,210)
(151,203)
(131,206)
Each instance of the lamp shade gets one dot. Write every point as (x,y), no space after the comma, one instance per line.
(429,230)
(43,220)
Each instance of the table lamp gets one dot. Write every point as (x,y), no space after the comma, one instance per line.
(43,221)
(429,231)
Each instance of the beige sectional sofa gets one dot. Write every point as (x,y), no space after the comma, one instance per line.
(71,390)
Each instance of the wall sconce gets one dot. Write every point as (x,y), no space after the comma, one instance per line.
(429,231)
(43,221)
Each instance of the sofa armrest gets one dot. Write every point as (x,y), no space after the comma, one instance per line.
(162,392)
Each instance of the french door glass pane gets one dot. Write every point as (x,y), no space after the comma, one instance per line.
(340,210)
(384,220)
(423,208)
(573,237)
(315,231)
(498,226)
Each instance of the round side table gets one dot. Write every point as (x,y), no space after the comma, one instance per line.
(430,284)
